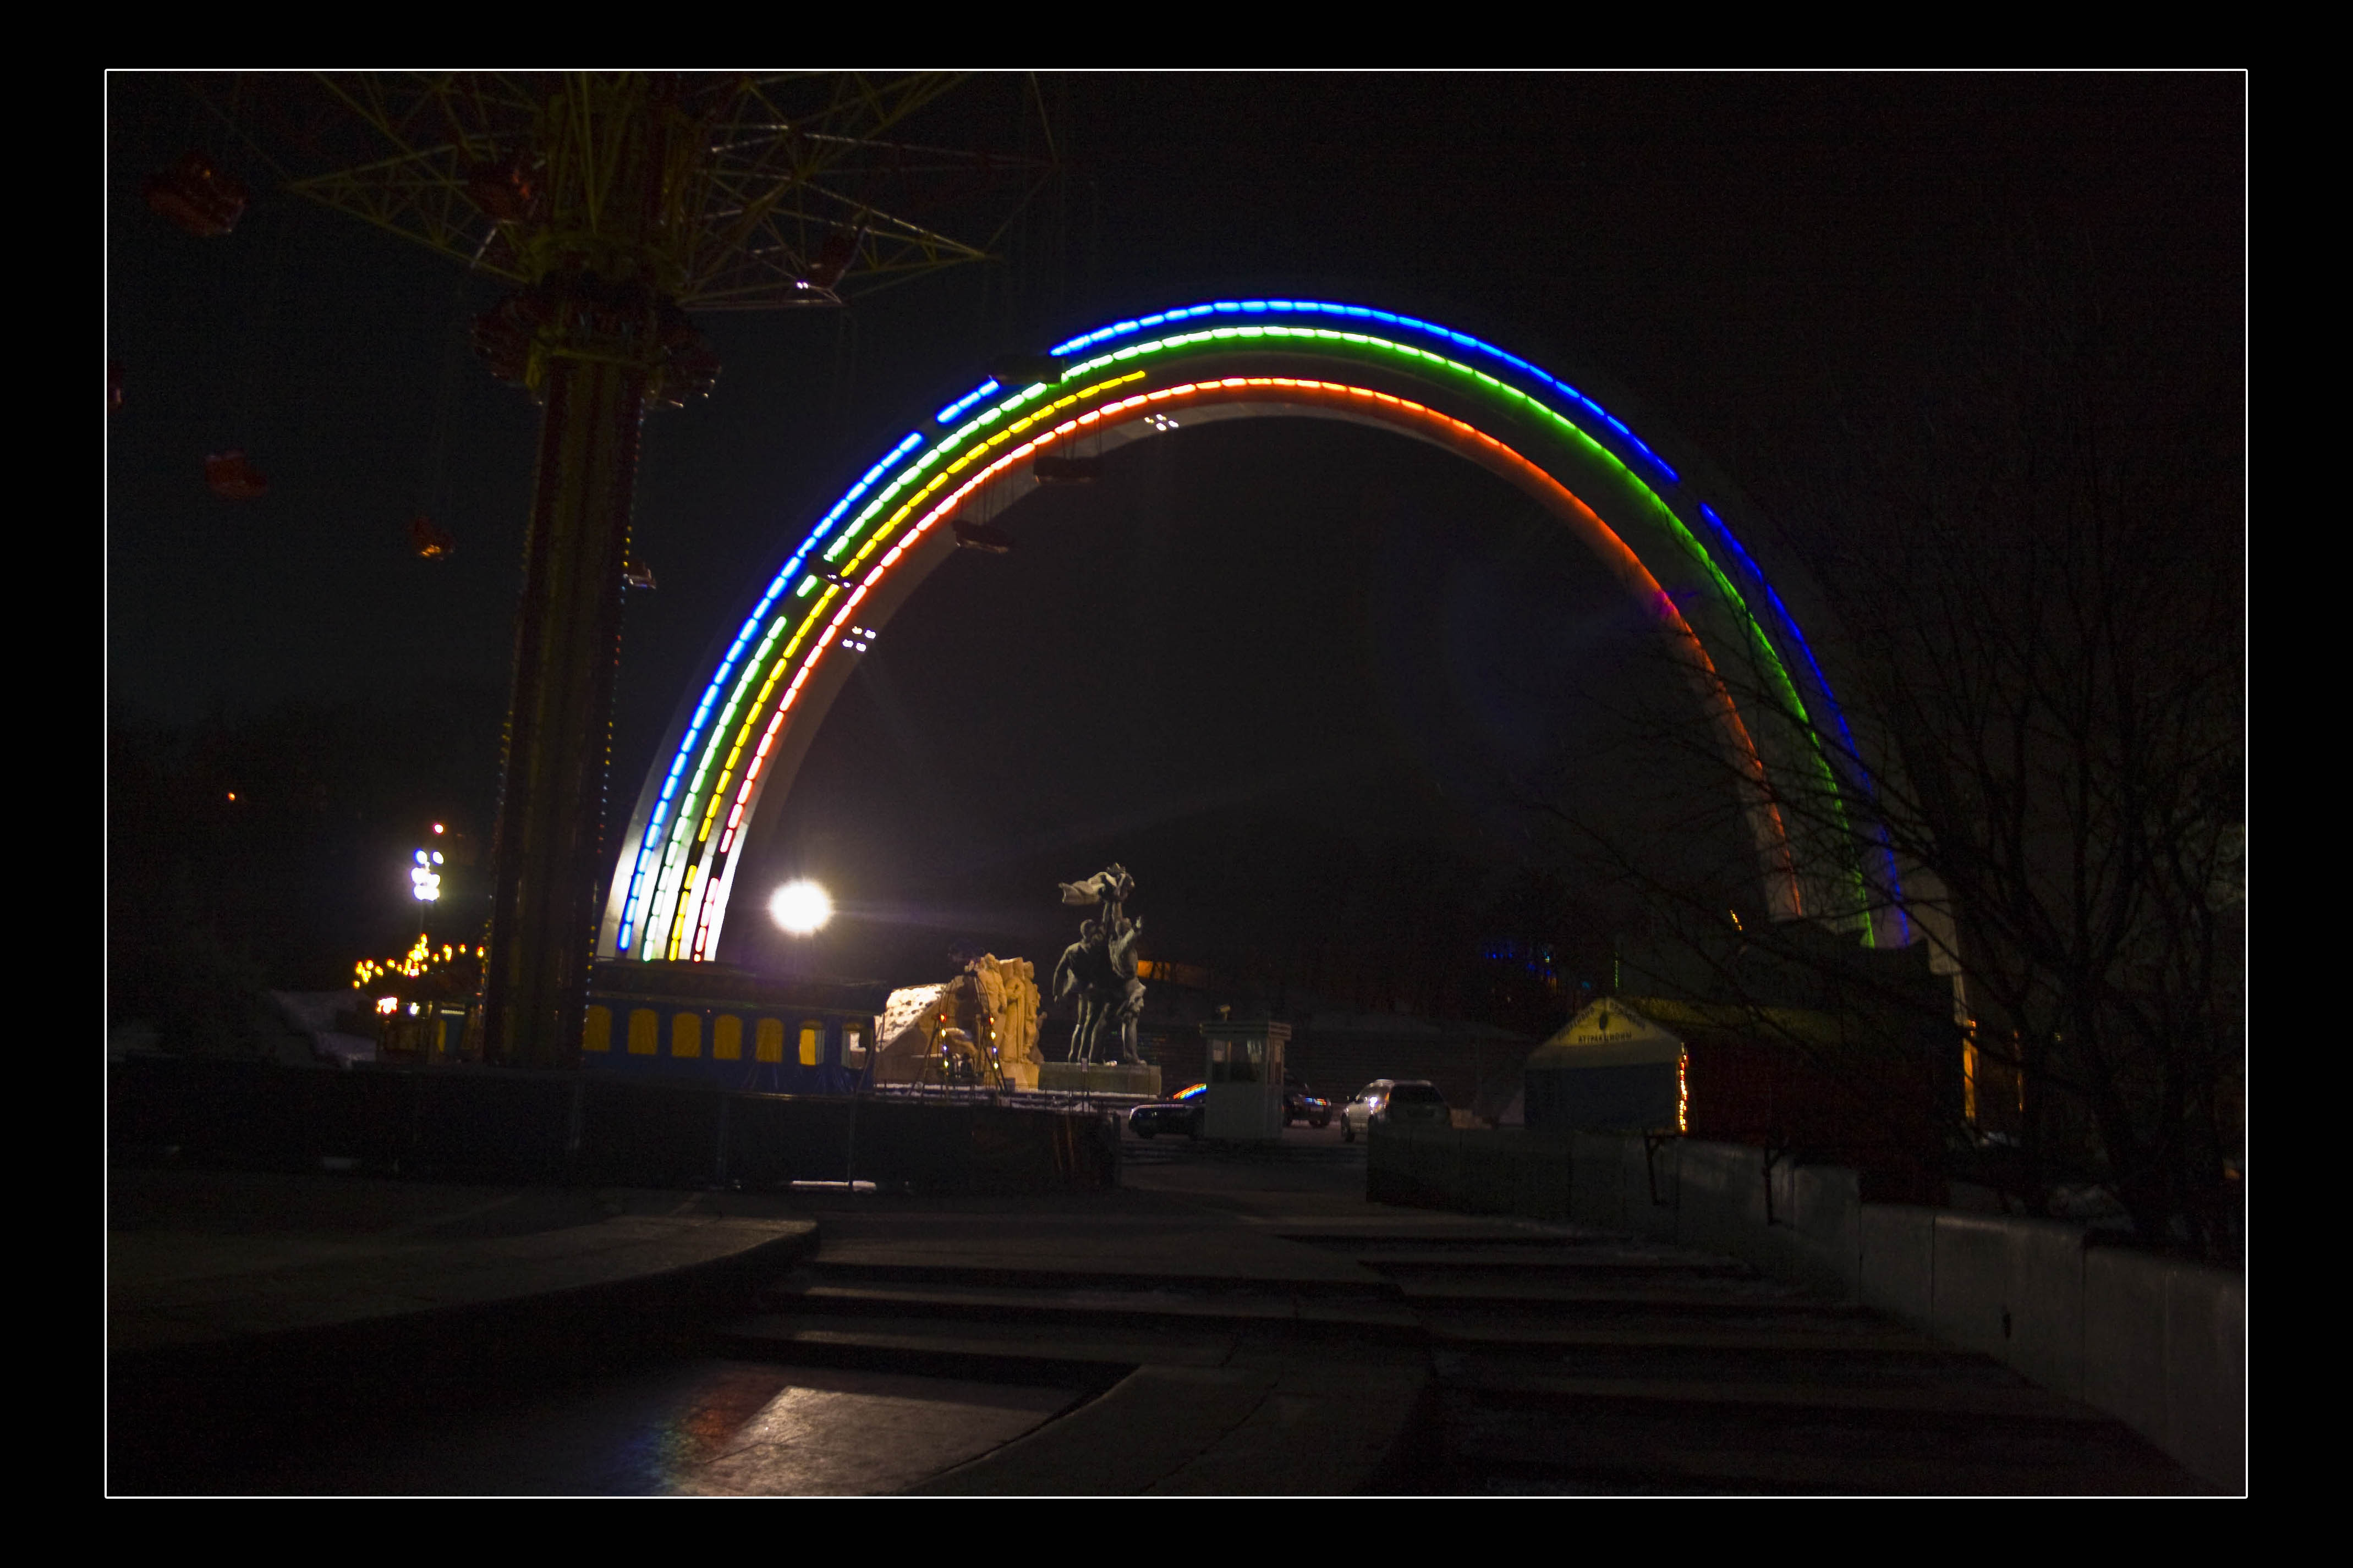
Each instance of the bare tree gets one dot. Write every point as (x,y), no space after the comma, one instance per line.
(2036,578)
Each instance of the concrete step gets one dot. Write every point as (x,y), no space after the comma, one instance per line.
(957,1347)
(1582,1261)
(1666,1470)
(1704,1397)
(1836,1365)
(1498,1441)
(1388,1321)
(1316,1428)
(1195,1262)
(1826,1339)
(1442,1231)
(1677,1296)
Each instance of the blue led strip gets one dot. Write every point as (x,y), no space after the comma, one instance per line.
(947,416)
(1366,313)
(650,846)
(650,855)
(1789,623)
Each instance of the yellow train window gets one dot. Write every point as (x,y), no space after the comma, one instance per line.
(598,1036)
(645,1032)
(768,1045)
(686,1034)
(812,1042)
(727,1038)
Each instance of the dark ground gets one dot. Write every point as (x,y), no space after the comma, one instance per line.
(1225,1323)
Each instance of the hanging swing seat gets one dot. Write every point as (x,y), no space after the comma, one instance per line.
(1024,369)
(984,537)
(1066,470)
(833,260)
(502,191)
(430,541)
(198,198)
(689,368)
(234,479)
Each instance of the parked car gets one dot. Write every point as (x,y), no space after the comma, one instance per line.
(1180,1113)
(1301,1103)
(1387,1100)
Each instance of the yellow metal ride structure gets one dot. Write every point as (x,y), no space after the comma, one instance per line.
(614,205)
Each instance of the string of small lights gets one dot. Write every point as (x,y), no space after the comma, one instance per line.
(421,961)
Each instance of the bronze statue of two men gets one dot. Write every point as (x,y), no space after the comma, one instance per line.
(1099,969)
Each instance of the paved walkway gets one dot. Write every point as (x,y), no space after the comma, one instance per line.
(199,1259)
(1223,1324)
(1333,1346)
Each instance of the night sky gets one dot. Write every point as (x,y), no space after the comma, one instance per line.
(1221,664)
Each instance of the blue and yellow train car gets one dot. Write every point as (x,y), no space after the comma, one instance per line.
(729,1029)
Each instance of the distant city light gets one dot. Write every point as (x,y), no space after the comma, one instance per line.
(801,907)
(436,827)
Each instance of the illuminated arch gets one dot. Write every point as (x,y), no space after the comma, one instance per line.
(738,740)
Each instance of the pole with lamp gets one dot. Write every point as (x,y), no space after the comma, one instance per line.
(425,884)
(801,908)
(425,887)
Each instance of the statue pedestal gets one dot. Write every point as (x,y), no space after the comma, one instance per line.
(1100,1077)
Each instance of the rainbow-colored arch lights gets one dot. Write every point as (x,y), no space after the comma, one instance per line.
(739,739)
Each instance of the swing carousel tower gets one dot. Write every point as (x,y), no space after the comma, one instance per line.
(613,206)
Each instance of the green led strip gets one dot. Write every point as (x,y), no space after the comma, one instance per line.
(669,906)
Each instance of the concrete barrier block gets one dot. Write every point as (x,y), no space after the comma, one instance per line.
(1546,1174)
(1777,1193)
(1381,1184)
(1482,1177)
(1969,1282)
(2206,1373)
(1459,1179)
(1502,1180)
(1711,1183)
(1541,1189)
(1898,1272)
(1722,1194)
(1825,1219)
(2124,1339)
(2043,1303)
(1598,1180)
(1507,1163)
(1412,1167)
(1405,1163)
(1650,1183)
(1417,1164)
(1446,1173)
(1438,1168)
(1663,1161)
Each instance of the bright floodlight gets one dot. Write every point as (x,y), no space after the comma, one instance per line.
(801,907)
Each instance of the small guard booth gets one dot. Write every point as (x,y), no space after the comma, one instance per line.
(1245,1093)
